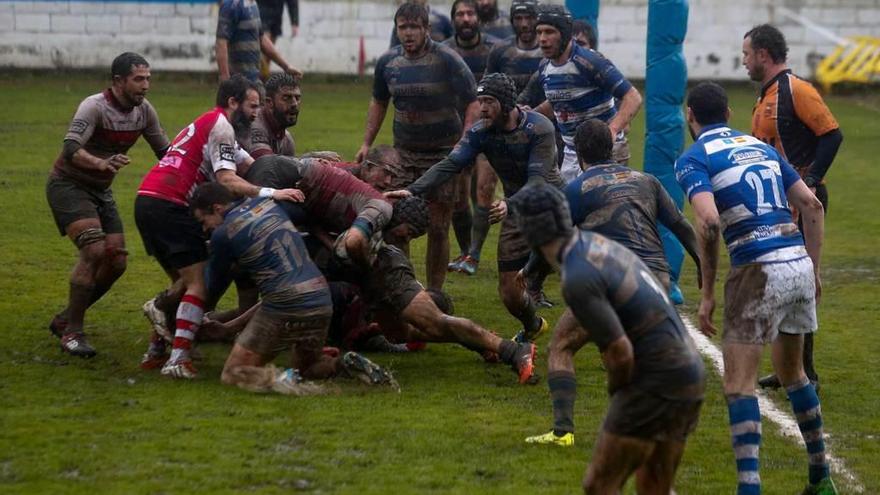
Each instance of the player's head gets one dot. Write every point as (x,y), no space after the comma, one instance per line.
(411,23)
(543,218)
(241,100)
(706,105)
(553,29)
(523,16)
(496,95)
(487,10)
(209,203)
(380,167)
(593,142)
(409,220)
(283,96)
(130,76)
(584,34)
(465,20)
(763,46)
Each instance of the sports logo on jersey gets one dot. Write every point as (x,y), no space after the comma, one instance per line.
(747,154)
(227,152)
(727,143)
(79,126)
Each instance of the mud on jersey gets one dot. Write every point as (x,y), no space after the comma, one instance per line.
(103,128)
(196,154)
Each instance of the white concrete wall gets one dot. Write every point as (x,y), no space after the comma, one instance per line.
(180,36)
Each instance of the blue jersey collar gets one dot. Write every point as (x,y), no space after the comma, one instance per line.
(713,129)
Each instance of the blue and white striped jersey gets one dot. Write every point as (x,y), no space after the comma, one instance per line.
(582,88)
(748,179)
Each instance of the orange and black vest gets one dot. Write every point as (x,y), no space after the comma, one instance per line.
(790,116)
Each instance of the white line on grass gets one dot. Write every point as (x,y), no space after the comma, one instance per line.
(786,423)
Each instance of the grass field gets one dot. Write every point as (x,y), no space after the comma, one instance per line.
(104,426)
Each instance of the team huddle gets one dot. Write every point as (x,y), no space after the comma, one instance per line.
(318,248)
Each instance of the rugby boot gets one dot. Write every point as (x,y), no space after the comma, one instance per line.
(156,317)
(182,368)
(453,265)
(524,362)
(468,265)
(58,325)
(75,344)
(540,299)
(379,343)
(287,382)
(522,338)
(550,438)
(152,360)
(769,381)
(824,487)
(358,366)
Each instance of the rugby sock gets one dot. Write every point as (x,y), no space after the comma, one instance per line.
(189,317)
(563,391)
(80,295)
(479,231)
(461,224)
(808,412)
(745,429)
(527,316)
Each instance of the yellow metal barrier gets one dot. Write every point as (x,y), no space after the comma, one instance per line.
(858,61)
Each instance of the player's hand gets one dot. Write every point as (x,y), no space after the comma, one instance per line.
(294,195)
(114,163)
(212,326)
(362,153)
(818,287)
(398,194)
(707,308)
(498,211)
(293,71)
(294,30)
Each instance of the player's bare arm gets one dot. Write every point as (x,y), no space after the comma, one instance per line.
(545,109)
(242,187)
(221,47)
(708,233)
(629,107)
(813,217)
(268,49)
(87,161)
(375,115)
(620,363)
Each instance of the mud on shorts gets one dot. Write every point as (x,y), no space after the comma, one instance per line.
(70,201)
(513,252)
(269,334)
(392,283)
(170,233)
(571,169)
(414,164)
(763,299)
(634,412)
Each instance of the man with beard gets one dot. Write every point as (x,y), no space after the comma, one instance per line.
(268,135)
(106,125)
(203,151)
(581,84)
(429,84)
(521,147)
(441,28)
(790,116)
(518,56)
(491,21)
(474,47)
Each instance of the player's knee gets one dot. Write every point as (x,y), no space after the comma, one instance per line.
(117,259)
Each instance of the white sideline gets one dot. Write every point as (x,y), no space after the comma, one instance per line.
(786,423)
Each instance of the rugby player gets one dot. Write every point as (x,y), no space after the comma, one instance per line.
(791,116)
(203,151)
(622,204)
(521,148)
(518,56)
(106,125)
(740,188)
(581,84)
(655,374)
(241,38)
(295,308)
(491,20)
(429,84)
(474,47)
(441,28)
